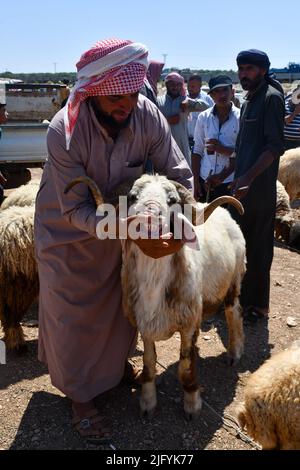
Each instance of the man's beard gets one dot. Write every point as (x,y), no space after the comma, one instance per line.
(172,95)
(109,120)
(250,85)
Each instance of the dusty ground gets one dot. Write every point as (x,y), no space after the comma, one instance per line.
(34,415)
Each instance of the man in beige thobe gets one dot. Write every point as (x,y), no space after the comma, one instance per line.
(107,132)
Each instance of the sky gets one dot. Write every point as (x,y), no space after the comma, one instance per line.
(51,36)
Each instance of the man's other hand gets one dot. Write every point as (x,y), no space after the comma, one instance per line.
(240,187)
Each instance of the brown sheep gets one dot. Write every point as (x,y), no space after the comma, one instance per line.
(18,272)
(271,408)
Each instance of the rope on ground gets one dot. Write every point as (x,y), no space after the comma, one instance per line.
(229,421)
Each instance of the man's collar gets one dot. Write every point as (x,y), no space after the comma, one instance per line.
(214,109)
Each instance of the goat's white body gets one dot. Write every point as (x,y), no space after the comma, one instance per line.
(161,296)
(210,272)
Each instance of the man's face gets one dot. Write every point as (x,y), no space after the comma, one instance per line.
(117,108)
(194,87)
(222,96)
(250,76)
(3,115)
(173,88)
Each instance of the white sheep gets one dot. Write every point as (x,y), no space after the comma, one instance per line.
(18,271)
(289,172)
(287,229)
(174,293)
(25,195)
(271,408)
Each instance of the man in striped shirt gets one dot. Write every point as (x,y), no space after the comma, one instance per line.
(292,124)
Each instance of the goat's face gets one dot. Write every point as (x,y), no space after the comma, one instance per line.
(158,197)
(153,194)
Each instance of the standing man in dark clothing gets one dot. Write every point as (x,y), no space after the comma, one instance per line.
(259,145)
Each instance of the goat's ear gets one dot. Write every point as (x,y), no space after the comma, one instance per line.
(187,230)
(187,198)
(185,195)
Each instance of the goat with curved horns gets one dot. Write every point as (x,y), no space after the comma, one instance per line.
(174,293)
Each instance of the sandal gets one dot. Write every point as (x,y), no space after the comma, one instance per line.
(85,426)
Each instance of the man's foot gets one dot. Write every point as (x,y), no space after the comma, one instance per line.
(88,422)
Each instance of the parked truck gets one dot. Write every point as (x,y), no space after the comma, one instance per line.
(23,138)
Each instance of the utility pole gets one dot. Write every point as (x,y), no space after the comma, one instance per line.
(165,58)
(54,63)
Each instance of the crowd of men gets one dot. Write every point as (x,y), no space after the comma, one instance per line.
(110,132)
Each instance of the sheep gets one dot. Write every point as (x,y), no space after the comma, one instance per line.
(289,172)
(174,293)
(25,195)
(271,408)
(287,229)
(294,240)
(18,272)
(284,218)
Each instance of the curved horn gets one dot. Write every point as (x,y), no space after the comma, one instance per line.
(91,184)
(208,210)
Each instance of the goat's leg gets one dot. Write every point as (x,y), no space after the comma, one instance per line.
(148,396)
(233,313)
(187,372)
(13,308)
(13,333)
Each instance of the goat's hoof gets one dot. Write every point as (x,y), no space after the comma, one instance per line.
(233,360)
(234,357)
(191,416)
(147,408)
(147,414)
(192,404)
(21,350)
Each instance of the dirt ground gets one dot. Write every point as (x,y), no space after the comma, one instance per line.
(35,415)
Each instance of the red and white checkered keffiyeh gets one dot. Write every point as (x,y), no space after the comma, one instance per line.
(110,67)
